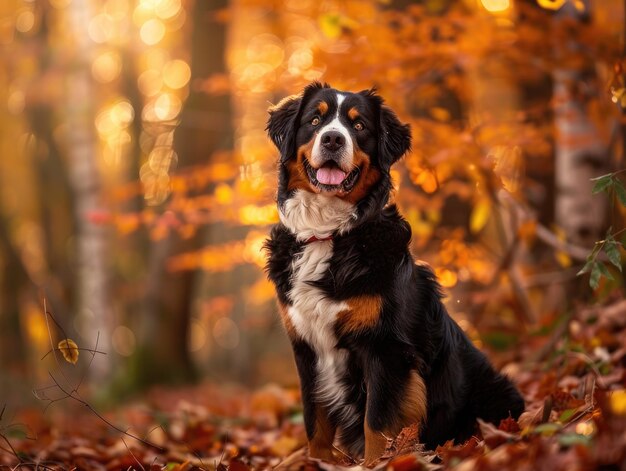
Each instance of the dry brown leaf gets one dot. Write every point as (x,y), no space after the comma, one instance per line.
(69,350)
(494,437)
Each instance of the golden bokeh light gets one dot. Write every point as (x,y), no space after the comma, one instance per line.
(118,9)
(122,113)
(166,9)
(152,31)
(101,28)
(123,340)
(300,61)
(16,101)
(226,333)
(266,48)
(176,73)
(496,6)
(114,118)
(25,21)
(165,107)
(585,428)
(150,82)
(256,77)
(106,67)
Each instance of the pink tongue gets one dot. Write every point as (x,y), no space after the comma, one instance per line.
(330,176)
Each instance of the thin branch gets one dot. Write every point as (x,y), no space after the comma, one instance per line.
(575,251)
(90,350)
(97,414)
(93,355)
(6,440)
(133,455)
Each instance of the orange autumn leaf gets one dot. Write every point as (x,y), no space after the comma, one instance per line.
(69,350)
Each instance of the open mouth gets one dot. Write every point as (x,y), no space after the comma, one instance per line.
(330,178)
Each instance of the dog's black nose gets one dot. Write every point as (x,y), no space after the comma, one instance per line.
(333,140)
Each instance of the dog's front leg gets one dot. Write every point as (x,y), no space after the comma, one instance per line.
(396,398)
(320,429)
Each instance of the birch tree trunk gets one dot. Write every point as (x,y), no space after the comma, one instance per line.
(580,152)
(91,240)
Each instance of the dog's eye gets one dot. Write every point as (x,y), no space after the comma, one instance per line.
(359,126)
(315,121)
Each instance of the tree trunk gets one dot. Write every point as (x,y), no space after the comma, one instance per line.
(163,355)
(580,152)
(91,243)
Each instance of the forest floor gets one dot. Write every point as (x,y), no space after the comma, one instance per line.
(573,381)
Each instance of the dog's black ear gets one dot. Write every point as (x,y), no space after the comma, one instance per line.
(395,138)
(281,123)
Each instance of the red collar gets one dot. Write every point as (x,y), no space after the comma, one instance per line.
(317,239)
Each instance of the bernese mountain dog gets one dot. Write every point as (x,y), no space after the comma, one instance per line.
(375,349)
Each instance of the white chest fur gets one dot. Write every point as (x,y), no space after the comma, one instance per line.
(313,316)
(311,312)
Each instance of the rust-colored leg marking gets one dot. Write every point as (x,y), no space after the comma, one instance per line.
(321,444)
(414,405)
(412,411)
(375,445)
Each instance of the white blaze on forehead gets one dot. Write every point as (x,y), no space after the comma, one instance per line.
(346,153)
(340,99)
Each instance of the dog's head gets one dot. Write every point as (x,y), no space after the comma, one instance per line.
(337,145)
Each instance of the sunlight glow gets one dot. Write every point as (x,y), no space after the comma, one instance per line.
(123,340)
(152,31)
(176,74)
(101,28)
(25,21)
(226,333)
(106,67)
(150,82)
(496,6)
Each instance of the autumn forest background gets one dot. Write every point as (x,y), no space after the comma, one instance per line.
(137,187)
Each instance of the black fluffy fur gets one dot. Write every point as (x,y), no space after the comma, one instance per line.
(413,331)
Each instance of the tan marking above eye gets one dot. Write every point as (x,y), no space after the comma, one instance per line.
(353,113)
(315,121)
(322,107)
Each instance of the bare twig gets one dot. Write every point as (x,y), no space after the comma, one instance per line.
(72,392)
(575,251)
(90,350)
(6,440)
(73,395)
(133,455)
